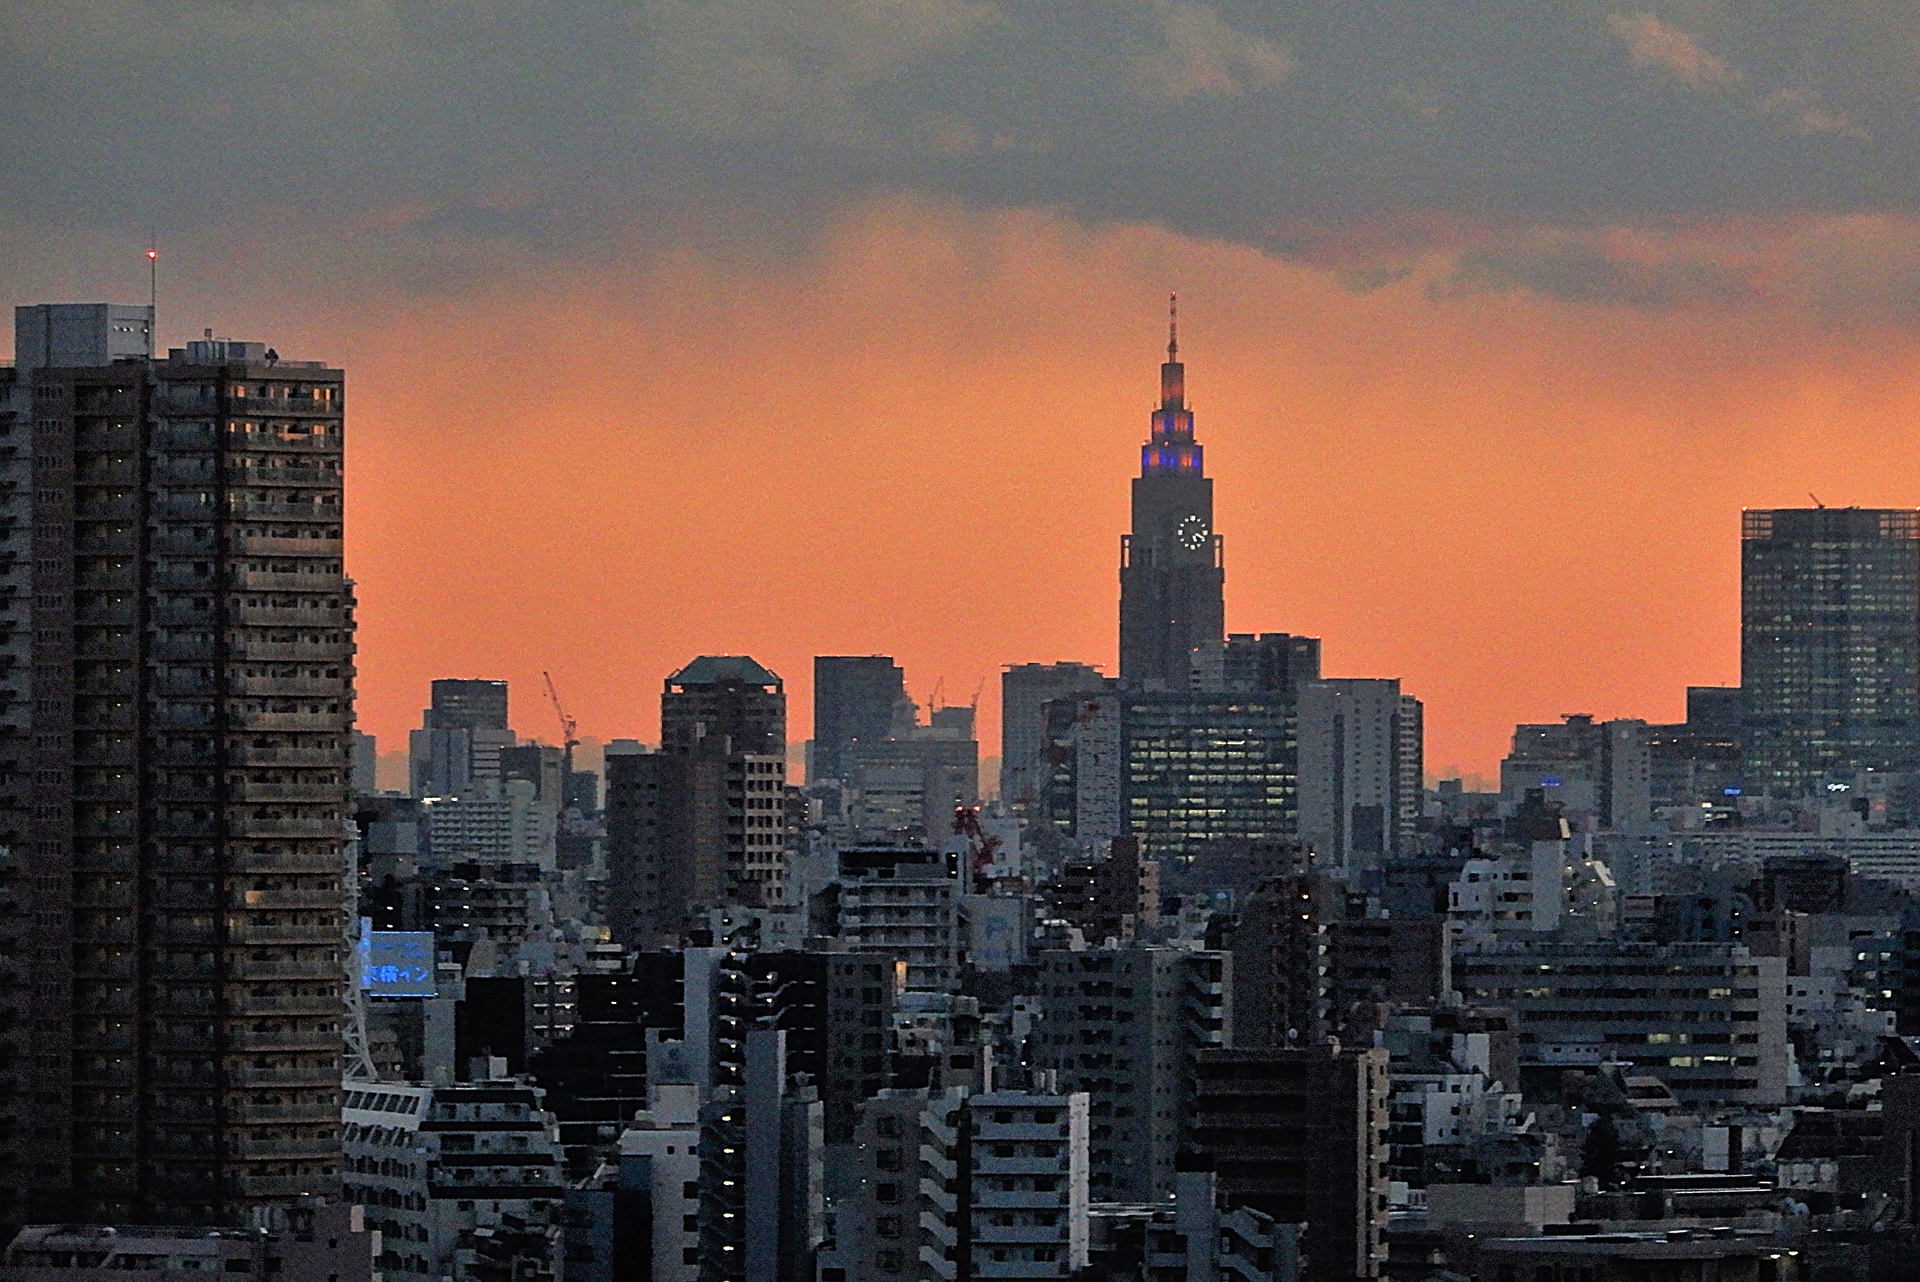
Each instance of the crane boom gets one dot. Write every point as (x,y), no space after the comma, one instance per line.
(569,728)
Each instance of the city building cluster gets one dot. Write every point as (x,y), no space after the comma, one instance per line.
(1212,982)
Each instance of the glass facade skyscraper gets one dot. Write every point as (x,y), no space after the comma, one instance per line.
(1829,645)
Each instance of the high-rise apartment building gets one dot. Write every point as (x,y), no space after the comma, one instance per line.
(703,822)
(181,689)
(688,831)
(1301,1135)
(1124,1025)
(1829,645)
(1360,771)
(1172,566)
(856,700)
(1025,691)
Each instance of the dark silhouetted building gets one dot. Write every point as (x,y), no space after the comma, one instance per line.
(174,790)
(1172,566)
(724,699)
(1829,645)
(1301,1135)
(856,699)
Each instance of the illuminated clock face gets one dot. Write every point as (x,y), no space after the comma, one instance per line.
(1191,533)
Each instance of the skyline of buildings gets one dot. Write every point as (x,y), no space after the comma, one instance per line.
(1195,971)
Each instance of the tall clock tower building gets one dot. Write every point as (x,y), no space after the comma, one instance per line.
(1172,566)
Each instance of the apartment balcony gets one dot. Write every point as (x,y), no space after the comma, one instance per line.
(243,752)
(253,649)
(258,407)
(274,545)
(289,722)
(1020,1234)
(1023,1164)
(244,478)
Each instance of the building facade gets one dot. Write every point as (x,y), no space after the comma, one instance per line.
(1301,1136)
(1123,1026)
(182,683)
(1361,764)
(1829,645)
(856,699)
(1172,566)
(1025,691)
(1707,1019)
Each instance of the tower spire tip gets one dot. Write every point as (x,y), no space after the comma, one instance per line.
(1173,327)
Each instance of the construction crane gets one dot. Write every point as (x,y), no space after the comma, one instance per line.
(981,847)
(569,728)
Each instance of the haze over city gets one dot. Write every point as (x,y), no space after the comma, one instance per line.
(1493,328)
(960,641)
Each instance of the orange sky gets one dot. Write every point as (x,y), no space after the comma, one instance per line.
(915,438)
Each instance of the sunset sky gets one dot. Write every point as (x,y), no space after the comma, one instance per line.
(832,326)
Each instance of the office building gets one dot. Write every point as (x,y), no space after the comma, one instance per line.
(725,704)
(1025,691)
(856,700)
(1592,771)
(1361,764)
(1172,566)
(475,704)
(1699,761)
(181,678)
(1177,770)
(1708,1019)
(1123,1025)
(456,751)
(1300,1135)
(363,769)
(909,784)
(1829,645)
(1183,769)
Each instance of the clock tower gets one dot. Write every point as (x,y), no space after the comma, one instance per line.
(1172,567)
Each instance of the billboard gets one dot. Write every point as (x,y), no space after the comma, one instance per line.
(395,963)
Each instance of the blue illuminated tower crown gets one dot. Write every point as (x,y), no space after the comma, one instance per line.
(1172,451)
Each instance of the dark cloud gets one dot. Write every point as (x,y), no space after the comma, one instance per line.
(408,124)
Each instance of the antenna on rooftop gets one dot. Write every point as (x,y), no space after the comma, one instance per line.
(153,291)
(1816,500)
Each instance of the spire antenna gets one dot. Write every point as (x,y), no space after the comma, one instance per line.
(153,291)
(1173,327)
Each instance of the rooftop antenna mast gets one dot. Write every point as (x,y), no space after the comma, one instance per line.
(1173,327)
(153,293)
